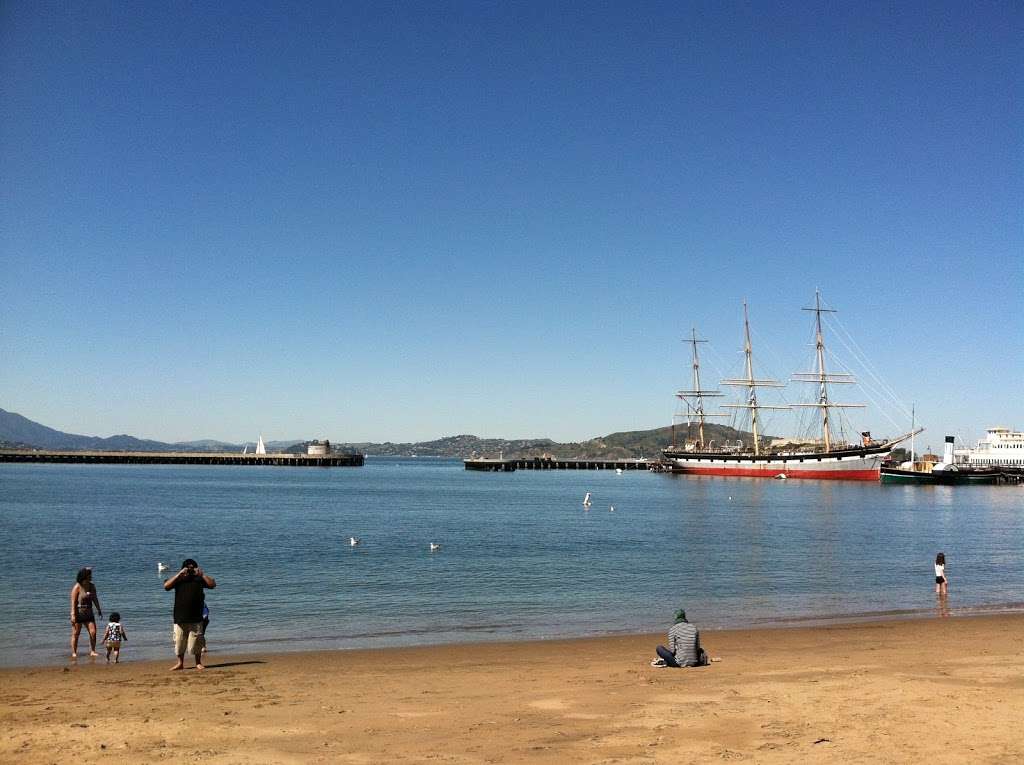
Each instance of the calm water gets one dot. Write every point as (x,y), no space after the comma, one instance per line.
(521,558)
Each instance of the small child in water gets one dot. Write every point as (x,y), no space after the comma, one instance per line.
(113,636)
(941,583)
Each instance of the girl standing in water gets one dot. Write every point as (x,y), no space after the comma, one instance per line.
(940,574)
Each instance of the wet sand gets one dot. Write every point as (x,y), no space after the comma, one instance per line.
(931,690)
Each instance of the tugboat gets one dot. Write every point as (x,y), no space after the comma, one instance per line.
(948,472)
(826,458)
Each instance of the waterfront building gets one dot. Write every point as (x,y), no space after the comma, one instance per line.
(319,448)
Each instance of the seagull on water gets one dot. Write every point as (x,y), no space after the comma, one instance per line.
(434,547)
(160,567)
(353,541)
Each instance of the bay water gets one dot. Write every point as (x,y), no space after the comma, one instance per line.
(520,555)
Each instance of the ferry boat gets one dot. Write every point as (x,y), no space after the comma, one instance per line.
(827,457)
(1001,447)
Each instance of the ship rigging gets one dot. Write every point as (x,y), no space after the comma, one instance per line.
(828,457)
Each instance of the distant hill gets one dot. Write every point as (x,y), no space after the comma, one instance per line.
(207,445)
(20,430)
(636,443)
(17,431)
(461,446)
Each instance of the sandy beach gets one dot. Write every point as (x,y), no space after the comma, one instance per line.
(931,690)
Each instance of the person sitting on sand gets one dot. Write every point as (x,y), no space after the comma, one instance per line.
(188,585)
(83,598)
(113,636)
(683,646)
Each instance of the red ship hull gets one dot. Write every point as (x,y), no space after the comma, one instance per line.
(740,472)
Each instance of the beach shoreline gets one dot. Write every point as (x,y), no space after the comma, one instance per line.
(273,646)
(879,691)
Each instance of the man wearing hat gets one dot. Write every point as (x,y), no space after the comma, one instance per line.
(683,646)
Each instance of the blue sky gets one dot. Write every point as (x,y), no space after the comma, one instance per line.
(401,221)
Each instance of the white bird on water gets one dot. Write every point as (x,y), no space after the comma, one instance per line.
(611,508)
(434,547)
(160,567)
(353,541)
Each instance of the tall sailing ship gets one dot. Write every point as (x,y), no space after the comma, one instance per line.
(827,457)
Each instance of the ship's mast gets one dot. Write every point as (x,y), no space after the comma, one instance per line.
(697,393)
(821,378)
(748,354)
(819,345)
(696,387)
(912,434)
(751,384)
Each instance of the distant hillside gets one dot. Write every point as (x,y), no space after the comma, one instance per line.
(453,446)
(637,443)
(17,431)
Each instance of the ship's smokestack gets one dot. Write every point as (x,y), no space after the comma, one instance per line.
(947,455)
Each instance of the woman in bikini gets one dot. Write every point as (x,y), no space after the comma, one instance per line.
(83,599)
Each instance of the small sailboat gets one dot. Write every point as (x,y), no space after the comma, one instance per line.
(586,500)
(260,446)
(246,449)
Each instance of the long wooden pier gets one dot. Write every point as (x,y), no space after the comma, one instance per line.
(491,465)
(183,458)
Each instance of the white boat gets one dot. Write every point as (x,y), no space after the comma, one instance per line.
(827,457)
(1001,447)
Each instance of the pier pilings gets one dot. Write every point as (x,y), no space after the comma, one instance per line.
(182,458)
(491,465)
